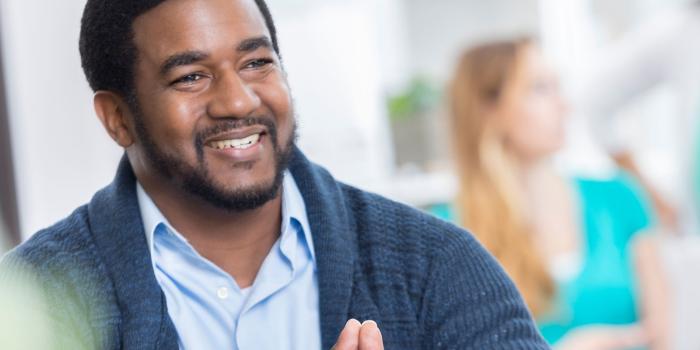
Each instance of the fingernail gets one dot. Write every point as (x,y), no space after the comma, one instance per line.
(370,322)
(351,321)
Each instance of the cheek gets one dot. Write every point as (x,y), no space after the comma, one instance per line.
(172,123)
(536,129)
(278,100)
(551,119)
(545,126)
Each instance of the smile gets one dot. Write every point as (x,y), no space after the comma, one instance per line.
(242,143)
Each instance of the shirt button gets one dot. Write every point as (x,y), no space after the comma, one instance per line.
(222,293)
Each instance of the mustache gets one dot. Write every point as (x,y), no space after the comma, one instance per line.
(231,124)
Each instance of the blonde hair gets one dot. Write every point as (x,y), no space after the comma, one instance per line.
(490,199)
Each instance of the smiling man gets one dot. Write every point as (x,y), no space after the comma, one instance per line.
(217,232)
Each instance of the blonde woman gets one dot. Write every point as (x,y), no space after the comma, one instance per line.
(565,242)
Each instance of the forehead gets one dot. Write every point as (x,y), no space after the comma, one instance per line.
(203,25)
(535,63)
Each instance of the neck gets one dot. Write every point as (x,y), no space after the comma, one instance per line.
(544,190)
(531,173)
(551,209)
(237,242)
(536,179)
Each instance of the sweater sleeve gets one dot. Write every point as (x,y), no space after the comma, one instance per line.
(470,303)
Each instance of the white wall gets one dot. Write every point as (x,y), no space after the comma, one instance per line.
(580,36)
(439,30)
(61,153)
(333,50)
(343,57)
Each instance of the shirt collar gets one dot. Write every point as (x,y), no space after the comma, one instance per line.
(293,210)
(150,215)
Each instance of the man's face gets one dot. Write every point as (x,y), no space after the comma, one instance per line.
(214,113)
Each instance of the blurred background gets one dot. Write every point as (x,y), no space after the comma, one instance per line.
(369,78)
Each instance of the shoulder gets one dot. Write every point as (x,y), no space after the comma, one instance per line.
(403,239)
(63,260)
(460,294)
(376,219)
(621,187)
(399,224)
(60,244)
(622,196)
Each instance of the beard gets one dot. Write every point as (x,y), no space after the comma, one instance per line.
(197,181)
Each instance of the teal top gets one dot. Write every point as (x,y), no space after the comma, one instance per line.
(603,291)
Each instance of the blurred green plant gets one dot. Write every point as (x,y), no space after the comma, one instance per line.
(419,96)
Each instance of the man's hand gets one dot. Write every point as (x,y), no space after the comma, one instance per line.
(356,336)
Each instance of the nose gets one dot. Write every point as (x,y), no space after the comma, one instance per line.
(232,97)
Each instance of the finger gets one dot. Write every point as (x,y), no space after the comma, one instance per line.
(370,336)
(349,337)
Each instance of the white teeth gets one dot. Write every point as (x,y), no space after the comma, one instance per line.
(237,143)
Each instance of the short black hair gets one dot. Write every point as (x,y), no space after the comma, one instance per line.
(107,48)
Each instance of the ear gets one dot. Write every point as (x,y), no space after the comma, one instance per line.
(114,115)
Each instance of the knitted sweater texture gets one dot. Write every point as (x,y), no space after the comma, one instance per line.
(427,283)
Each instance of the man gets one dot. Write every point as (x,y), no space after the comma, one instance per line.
(217,232)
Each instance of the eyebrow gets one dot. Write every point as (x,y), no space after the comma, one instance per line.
(253,44)
(182,59)
(190,57)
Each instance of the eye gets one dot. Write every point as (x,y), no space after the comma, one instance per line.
(259,63)
(188,79)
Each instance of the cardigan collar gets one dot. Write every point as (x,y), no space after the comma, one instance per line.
(117,228)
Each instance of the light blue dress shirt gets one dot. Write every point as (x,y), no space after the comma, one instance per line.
(279,311)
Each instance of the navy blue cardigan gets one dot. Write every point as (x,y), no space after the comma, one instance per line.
(427,283)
